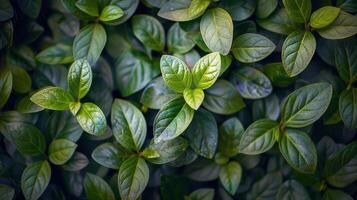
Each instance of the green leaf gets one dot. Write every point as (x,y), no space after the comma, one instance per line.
(150,153)
(206,71)
(169,150)
(306,105)
(298,10)
(156,94)
(266,188)
(332,194)
(61,150)
(297,52)
(202,194)
(175,73)
(92,119)
(266,108)
(179,41)
(35,179)
(298,150)
(340,169)
(129,125)
(74,107)
(265,8)
(21,81)
(251,83)
(79,78)
(344,26)
(203,170)
(56,54)
(217,30)
(90,7)
(63,125)
(292,190)
(179,10)
(277,75)
(346,60)
(77,162)
(149,31)
(133,71)
(109,155)
(348,107)
(28,139)
(53,98)
(89,43)
(324,16)
(202,133)
(347,5)
(197,7)
(279,22)
(5,85)
(259,137)
(230,176)
(193,97)
(133,178)
(30,8)
(172,120)
(110,13)
(128,6)
(252,47)
(230,134)
(6,192)
(96,188)
(222,98)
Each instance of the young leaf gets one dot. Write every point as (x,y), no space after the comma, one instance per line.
(206,71)
(222,98)
(251,83)
(252,47)
(230,176)
(133,178)
(293,190)
(193,97)
(109,155)
(110,13)
(89,43)
(259,137)
(61,150)
(217,30)
(298,10)
(129,125)
(79,78)
(230,134)
(168,150)
(348,107)
(175,73)
(92,119)
(96,188)
(5,85)
(172,120)
(56,54)
(297,52)
(340,169)
(149,31)
(53,98)
(324,16)
(306,105)
(35,179)
(298,150)
(202,133)
(344,26)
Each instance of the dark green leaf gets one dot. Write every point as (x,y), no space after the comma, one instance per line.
(34,179)
(266,108)
(276,73)
(133,178)
(230,134)
(129,125)
(6,192)
(265,8)
(5,86)
(230,176)
(292,190)
(6,10)
(298,10)
(348,107)
(109,155)
(331,194)
(56,54)
(21,81)
(97,189)
(30,8)
(266,188)
(90,7)
(346,60)
(239,10)
(259,137)
(298,150)
(202,134)
(179,41)
(202,194)
(76,163)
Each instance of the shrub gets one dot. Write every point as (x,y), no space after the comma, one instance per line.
(178,99)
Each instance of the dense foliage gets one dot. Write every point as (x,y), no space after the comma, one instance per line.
(178,99)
